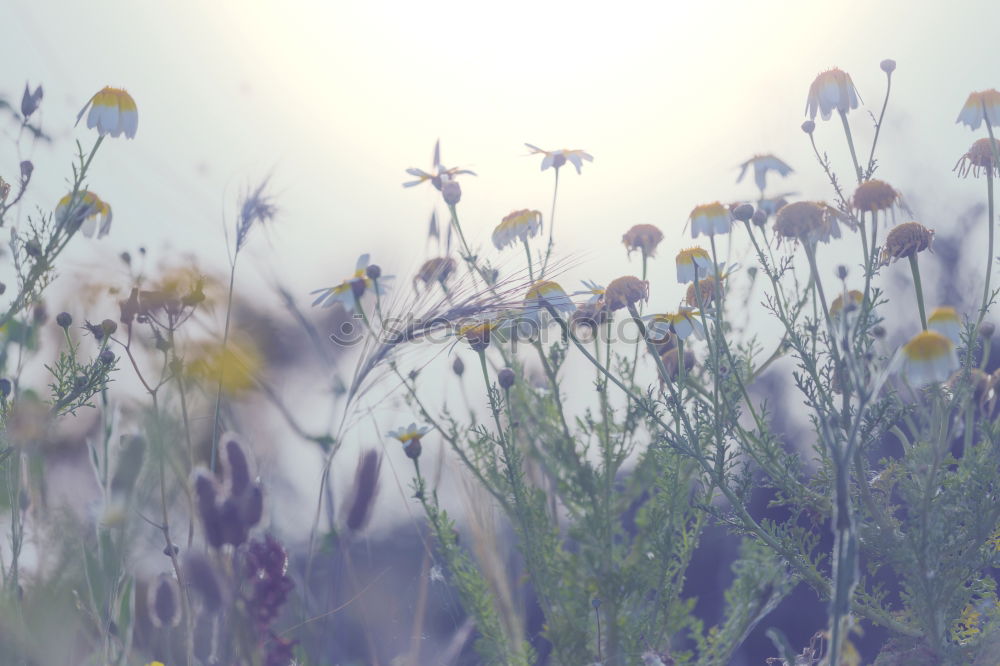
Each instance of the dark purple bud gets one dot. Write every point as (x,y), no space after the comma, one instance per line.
(759,218)
(171,550)
(27,168)
(374,271)
(252,506)
(204,638)
(365,490)
(237,467)
(233,530)
(413,449)
(107,357)
(30,101)
(211,522)
(505,378)
(201,577)
(33,248)
(164,602)
(841,272)
(5,387)
(809,126)
(888,65)
(457,366)
(109,327)
(451,191)
(79,382)
(743,212)
(64,319)
(987,329)
(126,258)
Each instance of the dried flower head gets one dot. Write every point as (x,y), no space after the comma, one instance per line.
(979,158)
(875,195)
(982,105)
(625,291)
(557,158)
(710,219)
(112,111)
(436,270)
(905,240)
(642,237)
(701,294)
(762,164)
(808,222)
(831,90)
(256,208)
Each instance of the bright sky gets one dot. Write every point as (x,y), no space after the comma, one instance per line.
(337,99)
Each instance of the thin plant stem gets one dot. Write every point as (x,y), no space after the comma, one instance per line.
(527,253)
(850,144)
(915,269)
(222,362)
(878,125)
(552,221)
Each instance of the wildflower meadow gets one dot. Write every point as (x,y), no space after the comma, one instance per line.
(796,463)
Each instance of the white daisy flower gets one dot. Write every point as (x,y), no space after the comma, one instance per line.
(682,324)
(84,211)
(832,90)
(692,263)
(929,357)
(519,225)
(557,158)
(761,165)
(710,219)
(945,320)
(112,111)
(980,105)
(348,292)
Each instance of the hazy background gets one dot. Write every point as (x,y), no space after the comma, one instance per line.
(336,99)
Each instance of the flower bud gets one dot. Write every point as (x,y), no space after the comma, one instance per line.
(457,366)
(33,248)
(107,357)
(841,272)
(109,326)
(759,218)
(743,212)
(413,449)
(5,387)
(808,126)
(374,271)
(164,602)
(27,168)
(64,320)
(358,287)
(237,466)
(987,329)
(505,378)
(451,191)
(888,65)
(878,332)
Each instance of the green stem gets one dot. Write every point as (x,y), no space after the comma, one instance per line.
(915,269)
(878,125)
(222,362)
(552,221)
(854,156)
(527,253)
(989,250)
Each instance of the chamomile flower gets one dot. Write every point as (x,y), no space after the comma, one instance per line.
(979,106)
(519,225)
(832,90)
(86,212)
(545,294)
(906,240)
(348,292)
(112,111)
(945,320)
(929,357)
(557,158)
(642,237)
(436,270)
(477,334)
(625,291)
(710,219)
(682,323)
(592,290)
(691,263)
(439,173)
(979,158)
(762,164)
(847,302)
(875,195)
(409,437)
(808,222)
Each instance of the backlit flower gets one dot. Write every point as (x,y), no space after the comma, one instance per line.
(350,290)
(625,291)
(906,240)
(979,158)
(945,320)
(112,111)
(761,165)
(437,173)
(875,195)
(710,219)
(681,323)
(409,437)
(642,237)
(691,263)
(980,105)
(85,212)
(832,90)
(927,358)
(557,158)
(545,294)
(520,225)
(849,301)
